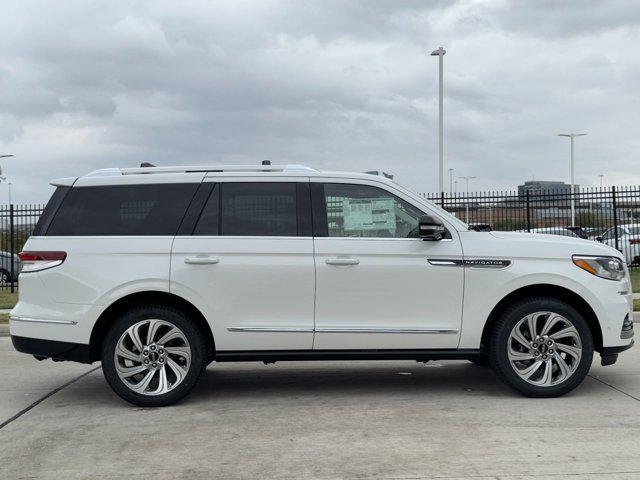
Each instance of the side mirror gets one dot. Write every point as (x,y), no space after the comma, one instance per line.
(430,228)
(599,239)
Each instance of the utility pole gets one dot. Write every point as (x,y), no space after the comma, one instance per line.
(440,54)
(467,199)
(601,177)
(451,180)
(573,190)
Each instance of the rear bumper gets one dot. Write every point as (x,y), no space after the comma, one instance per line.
(56,350)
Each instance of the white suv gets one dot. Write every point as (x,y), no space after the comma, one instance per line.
(157,272)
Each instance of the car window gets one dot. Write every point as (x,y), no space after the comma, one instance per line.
(250,209)
(365,211)
(152,209)
(634,230)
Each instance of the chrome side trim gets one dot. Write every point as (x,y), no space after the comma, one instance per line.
(444,262)
(271,329)
(385,330)
(41,320)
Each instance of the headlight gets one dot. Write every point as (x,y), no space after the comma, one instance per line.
(610,268)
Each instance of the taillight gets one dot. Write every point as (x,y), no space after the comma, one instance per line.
(634,241)
(36,261)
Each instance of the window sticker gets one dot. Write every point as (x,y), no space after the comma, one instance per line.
(365,214)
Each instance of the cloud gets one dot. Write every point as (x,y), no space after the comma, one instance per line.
(335,84)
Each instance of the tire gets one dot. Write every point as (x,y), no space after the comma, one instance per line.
(156,371)
(563,358)
(5,277)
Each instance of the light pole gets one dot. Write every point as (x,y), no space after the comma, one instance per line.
(9,192)
(3,156)
(573,200)
(455,186)
(601,177)
(467,195)
(451,180)
(440,54)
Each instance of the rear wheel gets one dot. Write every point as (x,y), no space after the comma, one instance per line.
(153,356)
(542,347)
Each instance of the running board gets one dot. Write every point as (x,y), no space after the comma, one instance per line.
(303,355)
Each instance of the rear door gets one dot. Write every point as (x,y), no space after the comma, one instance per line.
(379,286)
(244,257)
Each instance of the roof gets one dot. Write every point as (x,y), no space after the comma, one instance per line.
(155,174)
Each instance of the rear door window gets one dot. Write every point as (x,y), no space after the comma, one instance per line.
(151,209)
(264,209)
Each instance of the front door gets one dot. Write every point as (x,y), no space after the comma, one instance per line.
(379,286)
(247,264)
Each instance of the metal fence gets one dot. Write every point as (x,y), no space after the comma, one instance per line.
(610,215)
(16,224)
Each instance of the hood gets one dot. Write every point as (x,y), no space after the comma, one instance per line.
(580,245)
(531,245)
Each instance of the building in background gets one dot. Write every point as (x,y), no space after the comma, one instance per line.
(544,187)
(544,192)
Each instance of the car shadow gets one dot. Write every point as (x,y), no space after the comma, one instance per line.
(331,379)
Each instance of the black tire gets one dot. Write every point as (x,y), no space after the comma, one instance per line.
(174,317)
(499,343)
(5,277)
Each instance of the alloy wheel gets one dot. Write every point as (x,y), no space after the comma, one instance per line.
(544,349)
(152,357)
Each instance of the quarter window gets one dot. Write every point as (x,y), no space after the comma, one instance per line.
(365,211)
(152,209)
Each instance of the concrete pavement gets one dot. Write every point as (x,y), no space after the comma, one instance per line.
(326,420)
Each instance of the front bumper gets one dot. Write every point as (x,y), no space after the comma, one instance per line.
(609,355)
(56,350)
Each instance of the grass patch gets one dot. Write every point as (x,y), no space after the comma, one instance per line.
(8,299)
(636,305)
(635,279)
(4,318)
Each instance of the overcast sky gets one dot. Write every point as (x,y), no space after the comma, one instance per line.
(333,84)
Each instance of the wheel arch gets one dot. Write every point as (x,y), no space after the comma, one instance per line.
(544,290)
(133,300)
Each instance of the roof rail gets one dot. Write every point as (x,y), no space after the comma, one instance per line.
(199,169)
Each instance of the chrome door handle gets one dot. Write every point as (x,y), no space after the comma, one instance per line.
(201,260)
(342,261)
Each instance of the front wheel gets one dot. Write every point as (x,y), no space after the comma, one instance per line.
(542,347)
(153,356)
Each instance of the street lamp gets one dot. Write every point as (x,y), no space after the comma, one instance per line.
(440,54)
(601,177)
(451,180)
(573,200)
(467,199)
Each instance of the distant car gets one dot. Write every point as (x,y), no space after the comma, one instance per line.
(480,227)
(6,258)
(594,232)
(580,232)
(562,231)
(628,241)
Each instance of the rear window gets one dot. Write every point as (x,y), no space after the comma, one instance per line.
(153,209)
(634,230)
